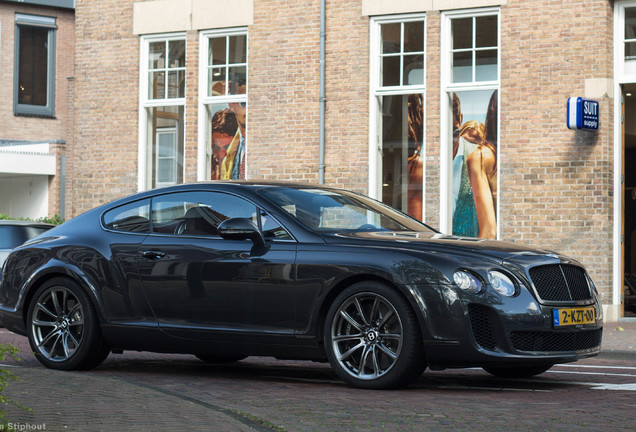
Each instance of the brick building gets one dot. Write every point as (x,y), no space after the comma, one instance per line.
(425,103)
(37,48)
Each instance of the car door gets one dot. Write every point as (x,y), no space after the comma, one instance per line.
(200,285)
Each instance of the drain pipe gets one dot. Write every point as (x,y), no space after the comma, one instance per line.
(321,139)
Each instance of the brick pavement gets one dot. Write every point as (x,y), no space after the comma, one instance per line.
(158,392)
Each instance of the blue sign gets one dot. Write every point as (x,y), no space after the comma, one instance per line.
(583,114)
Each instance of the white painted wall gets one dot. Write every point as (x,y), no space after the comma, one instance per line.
(24,196)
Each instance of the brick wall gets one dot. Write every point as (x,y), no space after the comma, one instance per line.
(103,162)
(556,184)
(283,74)
(34,128)
(55,130)
(432,131)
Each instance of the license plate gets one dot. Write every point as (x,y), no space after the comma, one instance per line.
(573,316)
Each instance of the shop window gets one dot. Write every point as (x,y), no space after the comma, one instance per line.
(166,145)
(224,104)
(470,138)
(626,41)
(34,69)
(163,100)
(166,69)
(402,53)
(397,121)
(474,49)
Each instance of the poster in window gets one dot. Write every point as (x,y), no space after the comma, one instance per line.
(402,156)
(228,140)
(474,163)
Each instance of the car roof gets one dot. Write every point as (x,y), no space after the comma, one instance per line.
(228,185)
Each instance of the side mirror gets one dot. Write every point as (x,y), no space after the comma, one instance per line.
(241,229)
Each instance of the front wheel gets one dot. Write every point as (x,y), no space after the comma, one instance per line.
(63,327)
(372,338)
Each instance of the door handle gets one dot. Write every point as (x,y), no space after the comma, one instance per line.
(153,254)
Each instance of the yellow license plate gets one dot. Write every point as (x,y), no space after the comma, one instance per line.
(573,316)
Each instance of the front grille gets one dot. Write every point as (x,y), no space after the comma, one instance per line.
(560,282)
(555,341)
(482,327)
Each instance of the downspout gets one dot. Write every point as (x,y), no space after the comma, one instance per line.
(321,139)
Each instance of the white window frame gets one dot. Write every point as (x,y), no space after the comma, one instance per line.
(204,156)
(145,103)
(172,131)
(377,91)
(447,86)
(619,43)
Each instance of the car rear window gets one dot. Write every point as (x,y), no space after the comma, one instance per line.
(133,217)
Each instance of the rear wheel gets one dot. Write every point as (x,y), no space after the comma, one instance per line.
(63,327)
(517,371)
(372,338)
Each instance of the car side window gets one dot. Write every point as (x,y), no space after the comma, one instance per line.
(198,213)
(133,217)
(272,229)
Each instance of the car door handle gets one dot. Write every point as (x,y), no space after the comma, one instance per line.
(153,254)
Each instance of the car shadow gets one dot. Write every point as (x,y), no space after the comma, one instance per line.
(164,368)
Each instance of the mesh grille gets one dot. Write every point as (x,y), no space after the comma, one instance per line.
(482,327)
(556,341)
(560,282)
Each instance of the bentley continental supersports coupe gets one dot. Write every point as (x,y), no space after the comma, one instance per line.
(226,270)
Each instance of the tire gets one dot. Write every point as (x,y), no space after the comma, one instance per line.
(526,371)
(372,338)
(63,327)
(219,358)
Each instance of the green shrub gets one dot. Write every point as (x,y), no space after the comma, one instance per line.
(55,219)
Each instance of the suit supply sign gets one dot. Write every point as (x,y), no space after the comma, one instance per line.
(583,114)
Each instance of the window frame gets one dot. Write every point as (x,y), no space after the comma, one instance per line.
(620,63)
(204,157)
(377,91)
(145,162)
(448,50)
(170,131)
(38,21)
(447,87)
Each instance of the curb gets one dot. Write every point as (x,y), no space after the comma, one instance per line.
(617,355)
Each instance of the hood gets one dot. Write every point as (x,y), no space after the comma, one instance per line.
(495,250)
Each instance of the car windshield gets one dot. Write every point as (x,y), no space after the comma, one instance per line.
(336,211)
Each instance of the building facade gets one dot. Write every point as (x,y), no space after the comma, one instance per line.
(453,111)
(37,54)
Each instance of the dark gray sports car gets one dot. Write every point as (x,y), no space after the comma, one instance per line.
(225,270)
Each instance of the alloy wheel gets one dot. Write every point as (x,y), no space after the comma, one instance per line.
(367,336)
(57,324)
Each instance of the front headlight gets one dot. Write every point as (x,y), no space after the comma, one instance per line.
(501,283)
(467,281)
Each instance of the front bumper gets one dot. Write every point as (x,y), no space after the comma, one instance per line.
(514,330)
